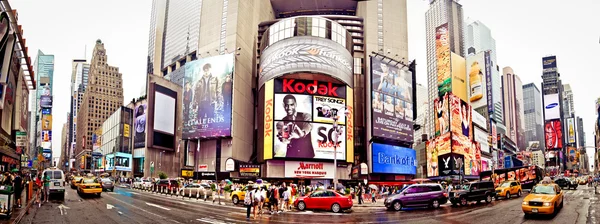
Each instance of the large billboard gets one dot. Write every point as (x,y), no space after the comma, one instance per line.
(47,122)
(551,107)
(207,97)
(476,69)
(459,76)
(553,134)
(442,50)
(139,140)
(481,137)
(549,64)
(297,133)
(471,152)
(118,161)
(46,101)
(570,123)
(434,149)
(393,159)
(460,117)
(442,112)
(392,99)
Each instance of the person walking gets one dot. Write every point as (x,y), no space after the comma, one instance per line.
(248,201)
(373,193)
(273,197)
(256,202)
(360,195)
(282,190)
(46,187)
(287,196)
(38,186)
(18,188)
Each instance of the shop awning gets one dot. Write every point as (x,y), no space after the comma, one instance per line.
(9,152)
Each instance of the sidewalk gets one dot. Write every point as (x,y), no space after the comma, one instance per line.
(18,213)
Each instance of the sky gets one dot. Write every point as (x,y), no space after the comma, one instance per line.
(525,31)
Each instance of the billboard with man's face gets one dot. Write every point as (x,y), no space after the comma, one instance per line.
(392,99)
(139,125)
(207,97)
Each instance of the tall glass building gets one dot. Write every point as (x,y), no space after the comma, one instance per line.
(532,103)
(44,67)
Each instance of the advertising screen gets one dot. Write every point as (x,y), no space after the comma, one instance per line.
(460,117)
(432,158)
(470,150)
(442,113)
(299,132)
(549,64)
(394,159)
(118,161)
(297,169)
(46,122)
(459,76)
(46,101)
(479,120)
(551,107)
(477,80)
(46,135)
(140,125)
(481,137)
(570,130)
(449,164)
(553,134)
(494,135)
(164,113)
(442,50)
(208,88)
(392,99)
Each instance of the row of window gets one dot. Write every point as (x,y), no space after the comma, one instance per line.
(308,26)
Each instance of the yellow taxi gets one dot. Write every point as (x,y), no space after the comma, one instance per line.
(509,188)
(543,199)
(75,181)
(89,185)
(240,195)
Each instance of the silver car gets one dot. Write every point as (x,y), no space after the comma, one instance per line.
(107,184)
(196,189)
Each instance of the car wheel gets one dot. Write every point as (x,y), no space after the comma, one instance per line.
(463,201)
(527,216)
(235,200)
(488,199)
(397,205)
(112,189)
(435,203)
(62,196)
(336,208)
(507,195)
(561,204)
(301,206)
(555,209)
(519,193)
(99,194)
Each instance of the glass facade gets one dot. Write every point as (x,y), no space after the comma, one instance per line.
(532,108)
(182,29)
(114,137)
(308,26)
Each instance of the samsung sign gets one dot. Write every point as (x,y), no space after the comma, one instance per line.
(306,54)
(551,107)
(393,159)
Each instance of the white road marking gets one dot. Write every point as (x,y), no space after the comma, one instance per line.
(158,206)
(144,210)
(62,209)
(134,193)
(210,220)
(183,203)
(109,206)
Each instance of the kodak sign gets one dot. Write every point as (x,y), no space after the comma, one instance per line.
(310,87)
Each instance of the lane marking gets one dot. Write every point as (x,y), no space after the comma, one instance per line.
(144,210)
(210,220)
(158,206)
(109,206)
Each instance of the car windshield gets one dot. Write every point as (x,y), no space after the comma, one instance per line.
(106,180)
(541,189)
(90,181)
(505,184)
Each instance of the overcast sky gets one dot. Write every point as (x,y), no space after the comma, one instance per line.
(525,31)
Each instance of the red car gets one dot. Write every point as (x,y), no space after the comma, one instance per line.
(327,200)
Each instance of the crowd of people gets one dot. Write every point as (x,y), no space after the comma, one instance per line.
(277,198)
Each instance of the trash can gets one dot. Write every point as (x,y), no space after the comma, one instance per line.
(6,200)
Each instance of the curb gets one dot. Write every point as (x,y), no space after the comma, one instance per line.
(24,211)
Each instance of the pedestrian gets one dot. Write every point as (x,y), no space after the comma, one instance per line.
(38,185)
(263,196)
(281,194)
(373,193)
(273,197)
(18,188)
(46,187)
(248,201)
(256,202)
(287,196)
(360,195)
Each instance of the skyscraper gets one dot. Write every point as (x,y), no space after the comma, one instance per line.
(422,107)
(512,89)
(532,108)
(103,95)
(79,81)
(441,12)
(568,103)
(44,65)
(580,133)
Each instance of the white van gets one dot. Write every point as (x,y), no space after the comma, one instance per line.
(57,181)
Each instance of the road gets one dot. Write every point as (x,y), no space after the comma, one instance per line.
(135,206)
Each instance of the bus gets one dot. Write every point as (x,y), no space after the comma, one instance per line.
(528,176)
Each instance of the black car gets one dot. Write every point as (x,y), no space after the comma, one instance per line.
(564,182)
(476,191)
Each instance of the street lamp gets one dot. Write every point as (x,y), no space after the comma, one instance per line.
(337,131)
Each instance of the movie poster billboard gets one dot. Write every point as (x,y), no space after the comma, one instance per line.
(299,132)
(140,125)
(442,50)
(553,134)
(392,99)
(460,117)
(570,130)
(477,80)
(208,89)
(442,115)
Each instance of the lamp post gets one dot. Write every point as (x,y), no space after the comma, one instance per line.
(337,131)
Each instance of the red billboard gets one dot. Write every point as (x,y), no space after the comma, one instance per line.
(553,134)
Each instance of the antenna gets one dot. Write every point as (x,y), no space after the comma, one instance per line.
(84,51)
(187,44)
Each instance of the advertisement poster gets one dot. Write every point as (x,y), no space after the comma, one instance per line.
(479,120)
(481,137)
(247,170)
(477,80)
(442,49)
(432,158)
(140,125)
(119,161)
(442,119)
(470,150)
(297,169)
(459,77)
(46,135)
(572,155)
(570,130)
(450,164)
(460,117)
(494,136)
(394,159)
(126,130)
(392,100)
(297,135)
(551,107)
(46,122)
(443,144)
(553,134)
(46,101)
(549,64)
(207,97)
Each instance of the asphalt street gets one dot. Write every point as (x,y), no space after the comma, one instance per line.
(136,206)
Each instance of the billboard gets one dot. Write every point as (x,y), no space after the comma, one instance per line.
(118,161)
(140,125)
(449,164)
(489,66)
(432,158)
(393,159)
(46,101)
(47,136)
(442,119)
(549,64)
(46,122)
(570,123)
(476,69)
(459,76)
(471,152)
(551,107)
(553,134)
(481,137)
(494,135)
(298,134)
(298,169)
(207,97)
(442,49)
(392,98)
(479,119)
(460,117)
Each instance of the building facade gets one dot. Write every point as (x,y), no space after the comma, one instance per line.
(422,112)
(534,120)
(115,143)
(103,95)
(44,64)
(79,81)
(580,133)
(568,103)
(512,89)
